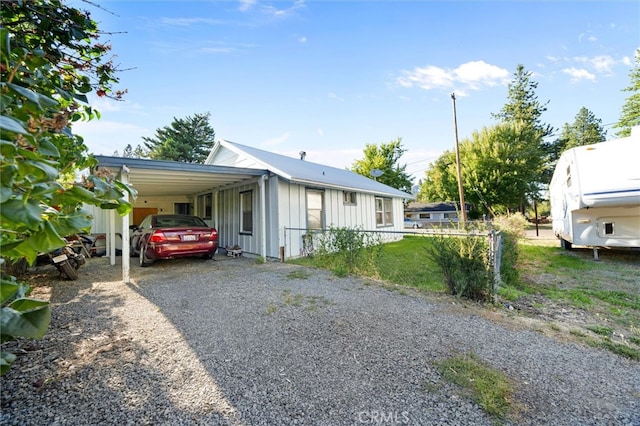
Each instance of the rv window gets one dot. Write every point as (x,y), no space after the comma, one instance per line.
(569,176)
(608,228)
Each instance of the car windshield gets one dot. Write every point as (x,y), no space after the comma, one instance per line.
(176,221)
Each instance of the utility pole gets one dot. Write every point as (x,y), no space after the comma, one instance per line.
(463,217)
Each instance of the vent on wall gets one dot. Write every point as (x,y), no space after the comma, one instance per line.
(608,228)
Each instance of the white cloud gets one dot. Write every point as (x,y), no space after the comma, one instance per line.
(332,95)
(278,140)
(302,39)
(320,132)
(578,74)
(246,5)
(603,63)
(626,61)
(472,75)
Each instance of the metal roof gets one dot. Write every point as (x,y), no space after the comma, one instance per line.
(159,177)
(312,174)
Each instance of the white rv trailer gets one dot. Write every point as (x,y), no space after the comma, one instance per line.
(595,194)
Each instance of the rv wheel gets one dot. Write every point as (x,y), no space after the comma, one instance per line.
(565,244)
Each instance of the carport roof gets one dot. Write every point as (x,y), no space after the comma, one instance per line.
(159,177)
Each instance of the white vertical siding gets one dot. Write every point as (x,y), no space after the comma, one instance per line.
(229,214)
(292,214)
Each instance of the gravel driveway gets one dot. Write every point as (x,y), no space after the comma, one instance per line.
(233,342)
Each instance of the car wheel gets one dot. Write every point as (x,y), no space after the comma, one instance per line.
(133,252)
(207,256)
(144,260)
(415,226)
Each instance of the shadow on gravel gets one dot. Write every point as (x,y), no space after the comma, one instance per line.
(86,370)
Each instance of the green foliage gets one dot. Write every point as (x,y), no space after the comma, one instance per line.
(385,158)
(490,388)
(20,316)
(630,114)
(523,106)
(585,130)
(440,182)
(50,58)
(512,228)
(187,140)
(465,264)
(404,262)
(348,250)
(500,168)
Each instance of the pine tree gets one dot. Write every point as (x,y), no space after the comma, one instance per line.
(630,115)
(187,140)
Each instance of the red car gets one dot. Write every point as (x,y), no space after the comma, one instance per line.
(173,235)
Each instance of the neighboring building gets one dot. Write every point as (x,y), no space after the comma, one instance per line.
(441,213)
(261,201)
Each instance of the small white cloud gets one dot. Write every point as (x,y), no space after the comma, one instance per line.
(578,74)
(472,75)
(278,140)
(626,61)
(320,132)
(246,5)
(603,63)
(302,39)
(332,95)
(592,39)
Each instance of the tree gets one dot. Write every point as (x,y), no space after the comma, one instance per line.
(523,105)
(129,152)
(50,58)
(585,130)
(441,181)
(499,165)
(385,158)
(630,115)
(187,140)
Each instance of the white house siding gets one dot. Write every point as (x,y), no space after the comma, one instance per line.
(228,209)
(293,214)
(226,157)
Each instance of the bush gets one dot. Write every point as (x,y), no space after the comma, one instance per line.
(465,264)
(347,250)
(512,228)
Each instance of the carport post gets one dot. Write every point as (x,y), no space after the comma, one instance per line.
(124,178)
(112,237)
(263,215)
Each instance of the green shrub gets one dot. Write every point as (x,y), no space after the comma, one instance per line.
(464,261)
(347,250)
(512,227)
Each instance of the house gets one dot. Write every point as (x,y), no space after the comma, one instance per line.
(595,194)
(261,201)
(441,213)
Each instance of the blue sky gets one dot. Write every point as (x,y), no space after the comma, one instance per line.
(328,77)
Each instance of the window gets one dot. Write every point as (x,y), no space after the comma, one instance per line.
(204,206)
(425,215)
(349,198)
(384,212)
(182,208)
(246,212)
(569,176)
(314,210)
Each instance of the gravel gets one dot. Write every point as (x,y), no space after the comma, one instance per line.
(233,342)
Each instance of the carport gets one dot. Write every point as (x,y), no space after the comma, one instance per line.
(166,178)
